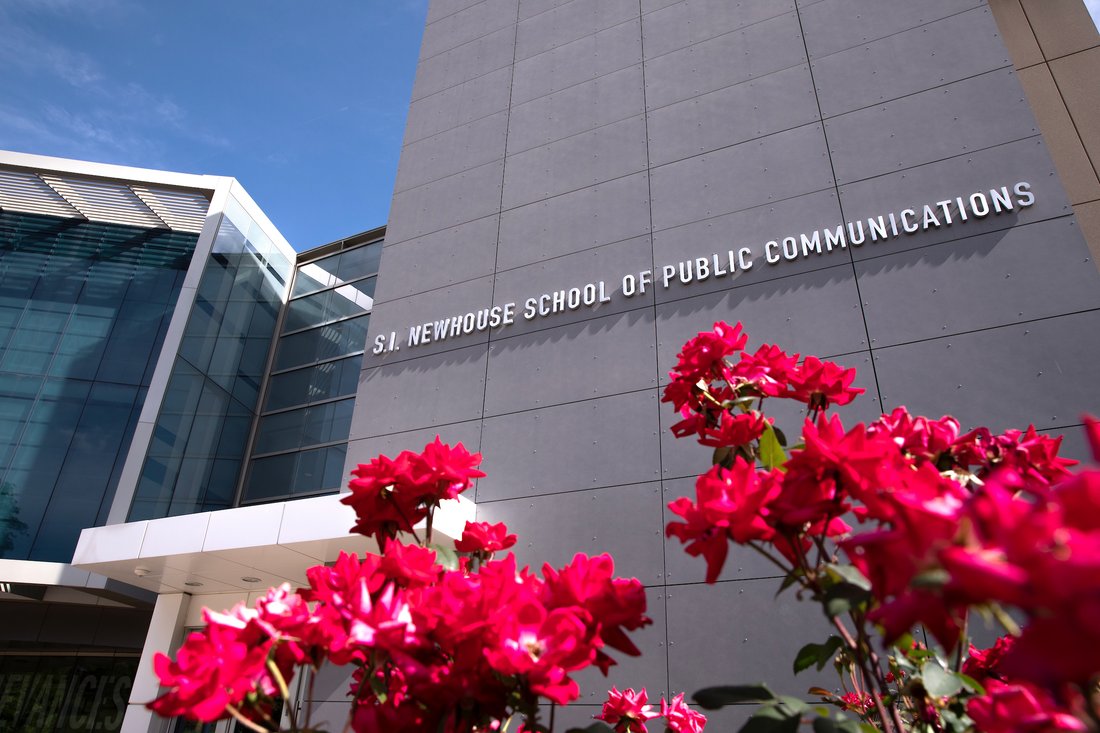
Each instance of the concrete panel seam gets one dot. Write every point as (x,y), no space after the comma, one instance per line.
(889,35)
(688,583)
(1023,322)
(525,59)
(511,269)
(407,143)
(1072,118)
(941,160)
(840,203)
(882,102)
(428,234)
(524,497)
(496,248)
(570,137)
(467,81)
(448,15)
(485,418)
(581,401)
(738,29)
(512,208)
(1052,59)
(465,43)
(814,123)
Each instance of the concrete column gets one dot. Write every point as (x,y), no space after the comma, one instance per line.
(165,634)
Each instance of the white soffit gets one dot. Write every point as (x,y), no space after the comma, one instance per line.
(237,550)
(102,200)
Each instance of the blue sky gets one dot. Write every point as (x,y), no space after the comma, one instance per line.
(303,102)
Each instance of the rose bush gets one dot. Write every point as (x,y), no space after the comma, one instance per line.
(947,526)
(437,642)
(901,529)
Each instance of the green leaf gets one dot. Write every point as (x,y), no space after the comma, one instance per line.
(848,725)
(445,556)
(791,579)
(938,681)
(713,698)
(536,728)
(850,574)
(772,454)
(769,720)
(780,436)
(843,597)
(971,683)
(819,654)
(904,642)
(793,705)
(825,725)
(936,578)
(596,727)
(721,456)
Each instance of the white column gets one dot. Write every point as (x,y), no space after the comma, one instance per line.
(165,635)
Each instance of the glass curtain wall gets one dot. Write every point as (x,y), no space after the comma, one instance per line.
(63,693)
(84,308)
(301,439)
(197,450)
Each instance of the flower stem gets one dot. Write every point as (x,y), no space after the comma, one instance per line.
(283,690)
(244,721)
(964,642)
(1004,619)
(767,555)
(309,701)
(869,669)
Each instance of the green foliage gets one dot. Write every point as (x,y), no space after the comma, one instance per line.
(713,698)
(817,654)
(772,454)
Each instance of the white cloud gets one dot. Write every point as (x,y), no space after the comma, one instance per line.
(102,117)
(34,54)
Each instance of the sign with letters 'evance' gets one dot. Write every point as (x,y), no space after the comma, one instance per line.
(885,227)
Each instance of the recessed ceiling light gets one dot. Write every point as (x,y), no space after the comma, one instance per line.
(250,579)
(193,583)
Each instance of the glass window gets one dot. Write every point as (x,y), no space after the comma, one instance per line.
(223,355)
(307,311)
(313,384)
(294,474)
(325,342)
(308,426)
(314,276)
(343,302)
(358,262)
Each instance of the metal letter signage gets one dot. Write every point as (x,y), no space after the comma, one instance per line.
(822,242)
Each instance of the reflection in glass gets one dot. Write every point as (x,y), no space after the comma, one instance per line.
(83,311)
(295,474)
(325,342)
(313,384)
(317,360)
(201,433)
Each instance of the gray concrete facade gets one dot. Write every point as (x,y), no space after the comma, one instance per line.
(552,144)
